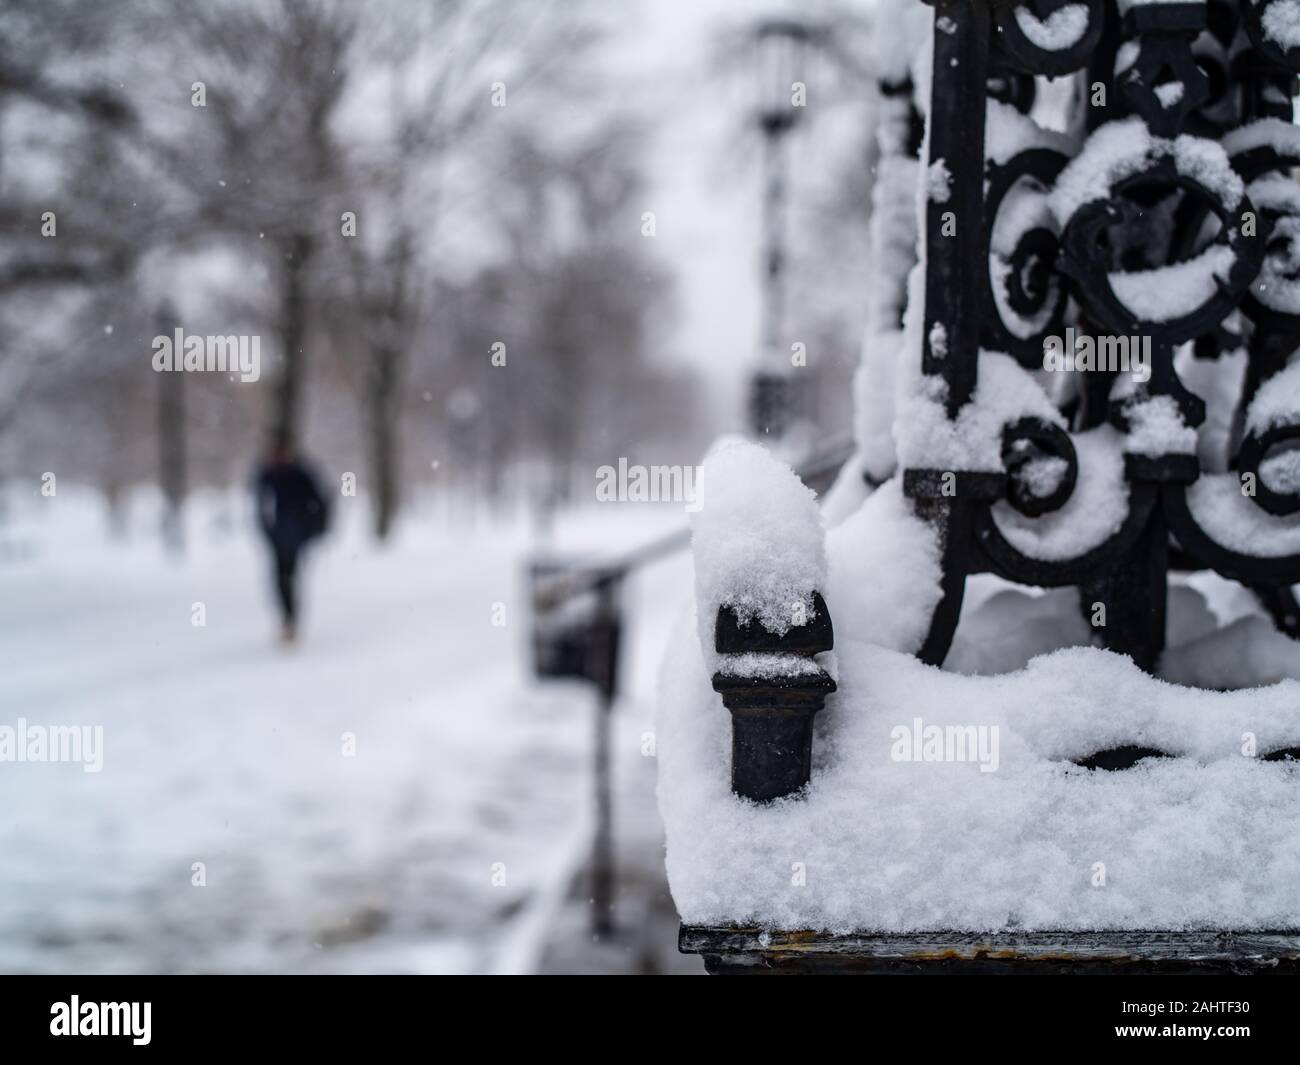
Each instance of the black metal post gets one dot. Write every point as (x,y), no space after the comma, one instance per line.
(772,711)
(954,218)
(584,643)
(603,650)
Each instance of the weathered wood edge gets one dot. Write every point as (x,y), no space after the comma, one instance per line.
(1208,946)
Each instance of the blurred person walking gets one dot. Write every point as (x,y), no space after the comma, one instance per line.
(292,512)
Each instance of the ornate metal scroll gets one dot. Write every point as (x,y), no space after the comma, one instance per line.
(1190,242)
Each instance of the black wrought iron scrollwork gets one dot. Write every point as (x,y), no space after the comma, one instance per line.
(1087,242)
(1176,222)
(1030,34)
(1272,301)
(1215,50)
(1161,79)
(1042,466)
(1255,451)
(1024,296)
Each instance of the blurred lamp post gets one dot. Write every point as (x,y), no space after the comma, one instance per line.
(780,48)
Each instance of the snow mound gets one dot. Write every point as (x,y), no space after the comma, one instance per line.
(1015,837)
(758,541)
(883,583)
(1249,651)
(1006,392)
(1276,401)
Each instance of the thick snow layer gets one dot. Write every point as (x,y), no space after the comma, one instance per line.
(887,375)
(883,582)
(893,239)
(1277,403)
(1157,428)
(896,52)
(847,494)
(1276,133)
(1205,839)
(1007,133)
(893,252)
(1232,519)
(1281,23)
(1169,292)
(1218,382)
(1121,149)
(758,541)
(1062,29)
(927,438)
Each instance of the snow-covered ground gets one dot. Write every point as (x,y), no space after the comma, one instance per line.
(437,846)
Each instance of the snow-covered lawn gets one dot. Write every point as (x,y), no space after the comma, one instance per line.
(223,748)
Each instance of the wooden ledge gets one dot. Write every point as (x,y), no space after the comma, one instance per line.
(755,951)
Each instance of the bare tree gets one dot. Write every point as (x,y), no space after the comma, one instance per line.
(278,71)
(450,70)
(474,223)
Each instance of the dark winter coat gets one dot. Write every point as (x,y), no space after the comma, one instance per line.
(290,506)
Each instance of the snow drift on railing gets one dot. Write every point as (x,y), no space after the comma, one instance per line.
(1016,835)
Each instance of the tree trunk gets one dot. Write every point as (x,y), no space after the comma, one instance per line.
(383,385)
(171,445)
(383,414)
(287,412)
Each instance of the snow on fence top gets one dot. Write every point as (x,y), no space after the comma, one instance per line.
(1276,402)
(1230,518)
(940,801)
(1062,29)
(1283,137)
(1281,23)
(927,437)
(1125,148)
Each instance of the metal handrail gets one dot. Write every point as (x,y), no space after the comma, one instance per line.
(817,471)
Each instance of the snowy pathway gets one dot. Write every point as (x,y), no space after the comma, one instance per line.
(225,749)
